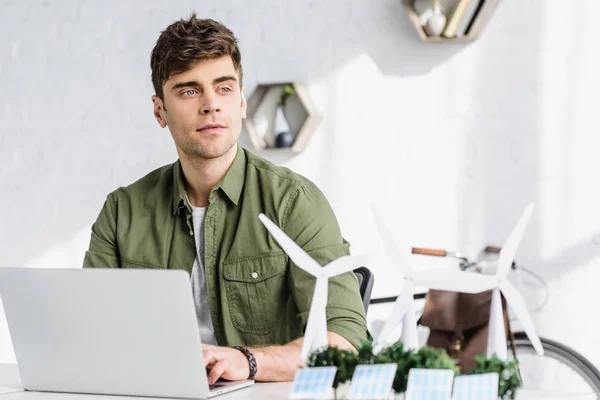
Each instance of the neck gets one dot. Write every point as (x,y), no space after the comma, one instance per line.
(201,175)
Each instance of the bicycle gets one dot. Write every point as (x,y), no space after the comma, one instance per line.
(560,365)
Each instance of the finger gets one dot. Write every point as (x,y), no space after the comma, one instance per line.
(210,357)
(210,364)
(217,371)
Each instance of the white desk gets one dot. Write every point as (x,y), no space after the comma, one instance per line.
(9,376)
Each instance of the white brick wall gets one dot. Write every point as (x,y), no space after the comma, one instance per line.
(450,140)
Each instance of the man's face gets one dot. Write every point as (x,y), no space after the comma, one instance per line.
(203,108)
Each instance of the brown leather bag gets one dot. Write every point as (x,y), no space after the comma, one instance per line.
(459,322)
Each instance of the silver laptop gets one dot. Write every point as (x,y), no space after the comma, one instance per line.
(107,331)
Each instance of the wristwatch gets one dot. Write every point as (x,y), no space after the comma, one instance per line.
(251,360)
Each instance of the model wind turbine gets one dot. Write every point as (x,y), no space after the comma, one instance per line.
(440,279)
(497,333)
(315,336)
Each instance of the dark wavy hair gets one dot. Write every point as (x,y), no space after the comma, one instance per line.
(187,42)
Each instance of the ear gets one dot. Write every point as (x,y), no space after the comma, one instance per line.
(244,105)
(159,111)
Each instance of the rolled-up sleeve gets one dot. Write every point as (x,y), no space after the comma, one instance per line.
(309,220)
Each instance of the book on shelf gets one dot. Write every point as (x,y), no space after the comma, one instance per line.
(456,17)
(482,15)
(469,15)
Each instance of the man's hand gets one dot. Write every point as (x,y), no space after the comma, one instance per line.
(226,363)
(274,363)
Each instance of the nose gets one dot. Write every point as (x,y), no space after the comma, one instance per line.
(210,104)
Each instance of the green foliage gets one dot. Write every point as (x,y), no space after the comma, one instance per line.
(288,90)
(345,361)
(427,357)
(508,372)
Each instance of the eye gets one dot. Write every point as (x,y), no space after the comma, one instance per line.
(189,92)
(226,89)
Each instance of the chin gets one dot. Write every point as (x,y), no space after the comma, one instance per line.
(213,151)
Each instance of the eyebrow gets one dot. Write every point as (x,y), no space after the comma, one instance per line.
(197,84)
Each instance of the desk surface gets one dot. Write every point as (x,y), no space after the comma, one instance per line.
(9,378)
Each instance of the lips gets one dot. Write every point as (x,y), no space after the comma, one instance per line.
(211,128)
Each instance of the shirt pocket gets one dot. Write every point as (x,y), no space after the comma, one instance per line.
(256,292)
(129,263)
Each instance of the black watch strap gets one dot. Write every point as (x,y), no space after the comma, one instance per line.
(251,360)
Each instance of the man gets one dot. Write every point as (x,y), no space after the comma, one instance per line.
(200,214)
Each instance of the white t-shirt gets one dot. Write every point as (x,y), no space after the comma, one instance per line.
(207,333)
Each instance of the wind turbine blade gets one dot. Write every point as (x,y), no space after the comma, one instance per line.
(517,304)
(309,334)
(401,306)
(316,337)
(509,250)
(390,246)
(496,330)
(345,264)
(455,281)
(295,252)
(316,326)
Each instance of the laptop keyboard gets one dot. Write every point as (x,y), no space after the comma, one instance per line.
(216,386)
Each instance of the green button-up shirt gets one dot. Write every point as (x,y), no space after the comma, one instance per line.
(257,296)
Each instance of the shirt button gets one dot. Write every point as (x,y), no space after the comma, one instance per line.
(254,275)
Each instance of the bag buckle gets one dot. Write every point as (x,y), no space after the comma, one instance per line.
(456,346)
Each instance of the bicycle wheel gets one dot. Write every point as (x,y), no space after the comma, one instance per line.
(561,372)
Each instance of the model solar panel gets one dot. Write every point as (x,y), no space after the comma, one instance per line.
(429,384)
(313,383)
(372,381)
(476,387)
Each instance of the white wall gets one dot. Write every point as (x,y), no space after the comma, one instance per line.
(449,140)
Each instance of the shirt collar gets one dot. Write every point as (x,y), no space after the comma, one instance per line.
(231,184)
(233,181)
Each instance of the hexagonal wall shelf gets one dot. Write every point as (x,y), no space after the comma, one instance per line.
(281,116)
(449,20)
